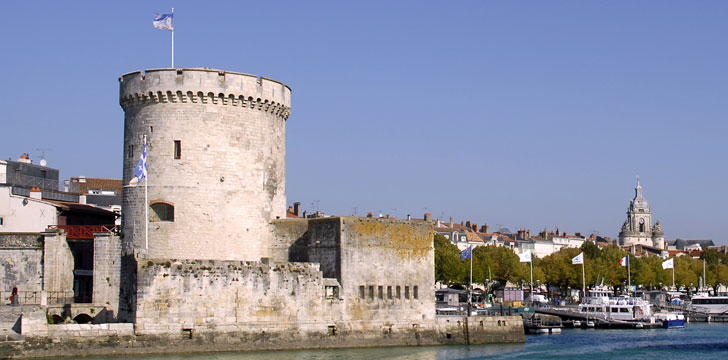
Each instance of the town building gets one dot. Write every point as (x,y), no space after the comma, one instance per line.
(638,228)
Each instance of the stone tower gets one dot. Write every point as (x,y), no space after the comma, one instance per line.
(638,228)
(216,161)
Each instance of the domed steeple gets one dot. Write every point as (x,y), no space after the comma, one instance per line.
(639,201)
(638,228)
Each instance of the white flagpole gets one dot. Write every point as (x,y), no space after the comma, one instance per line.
(146,200)
(531,278)
(470,297)
(629,275)
(172,38)
(583,279)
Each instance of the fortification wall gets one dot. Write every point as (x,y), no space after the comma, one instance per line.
(235,295)
(387,270)
(22,262)
(107,271)
(216,158)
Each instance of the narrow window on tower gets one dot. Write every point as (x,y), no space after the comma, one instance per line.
(177,149)
(130,151)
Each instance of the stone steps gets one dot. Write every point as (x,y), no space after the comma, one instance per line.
(9,317)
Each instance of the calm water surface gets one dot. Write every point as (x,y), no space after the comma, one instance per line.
(694,342)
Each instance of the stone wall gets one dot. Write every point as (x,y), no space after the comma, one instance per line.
(205,295)
(387,270)
(21,262)
(229,180)
(58,263)
(107,271)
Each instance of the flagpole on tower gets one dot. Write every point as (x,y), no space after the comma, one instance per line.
(172,38)
(146,203)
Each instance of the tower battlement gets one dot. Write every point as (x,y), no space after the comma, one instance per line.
(204,86)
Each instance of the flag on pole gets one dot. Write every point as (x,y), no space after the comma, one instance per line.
(140,171)
(525,256)
(467,253)
(668,264)
(624,261)
(578,259)
(163,22)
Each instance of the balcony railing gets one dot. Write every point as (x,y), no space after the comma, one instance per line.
(84,231)
(34,297)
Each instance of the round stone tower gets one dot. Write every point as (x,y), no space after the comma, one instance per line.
(216,162)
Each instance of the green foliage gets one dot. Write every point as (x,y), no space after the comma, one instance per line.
(448,267)
(600,266)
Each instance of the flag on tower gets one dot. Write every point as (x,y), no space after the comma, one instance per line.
(467,253)
(525,256)
(624,261)
(668,264)
(140,171)
(163,22)
(578,259)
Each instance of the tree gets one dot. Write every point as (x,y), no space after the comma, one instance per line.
(449,268)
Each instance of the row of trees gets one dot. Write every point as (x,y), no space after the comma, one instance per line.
(491,263)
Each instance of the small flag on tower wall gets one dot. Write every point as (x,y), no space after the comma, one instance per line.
(624,261)
(163,21)
(140,171)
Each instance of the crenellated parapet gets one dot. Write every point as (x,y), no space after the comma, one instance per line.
(204,86)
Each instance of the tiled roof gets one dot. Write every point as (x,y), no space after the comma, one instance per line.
(96,183)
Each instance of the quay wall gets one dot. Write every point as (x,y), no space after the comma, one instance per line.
(116,339)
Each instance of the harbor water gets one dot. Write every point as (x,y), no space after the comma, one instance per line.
(695,341)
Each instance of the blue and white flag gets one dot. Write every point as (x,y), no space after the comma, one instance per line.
(668,264)
(525,256)
(578,259)
(163,22)
(140,171)
(467,253)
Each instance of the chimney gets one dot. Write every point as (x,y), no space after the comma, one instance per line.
(428,217)
(475,227)
(290,209)
(528,233)
(452,224)
(82,199)
(467,224)
(370,214)
(25,158)
(305,214)
(578,234)
(409,217)
(484,228)
(438,223)
(35,193)
(297,208)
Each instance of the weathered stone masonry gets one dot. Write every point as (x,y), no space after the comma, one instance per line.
(216,156)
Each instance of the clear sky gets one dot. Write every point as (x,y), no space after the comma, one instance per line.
(514,113)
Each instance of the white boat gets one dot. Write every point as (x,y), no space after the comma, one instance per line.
(601,305)
(576,323)
(710,305)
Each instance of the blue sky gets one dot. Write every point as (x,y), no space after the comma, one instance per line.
(519,114)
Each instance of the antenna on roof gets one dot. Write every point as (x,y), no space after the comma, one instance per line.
(43,161)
